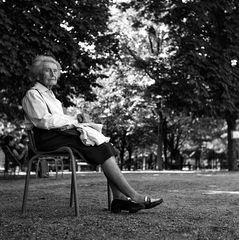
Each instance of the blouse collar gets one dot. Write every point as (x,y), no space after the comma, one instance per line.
(40,87)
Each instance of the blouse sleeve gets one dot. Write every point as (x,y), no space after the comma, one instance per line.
(37,112)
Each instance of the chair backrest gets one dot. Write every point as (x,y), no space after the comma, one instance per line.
(32,144)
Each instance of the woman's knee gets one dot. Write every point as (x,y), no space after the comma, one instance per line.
(111,161)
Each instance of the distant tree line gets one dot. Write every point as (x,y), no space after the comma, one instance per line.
(192,62)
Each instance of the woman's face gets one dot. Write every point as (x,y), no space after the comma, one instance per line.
(49,74)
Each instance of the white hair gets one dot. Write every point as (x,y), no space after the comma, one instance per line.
(37,65)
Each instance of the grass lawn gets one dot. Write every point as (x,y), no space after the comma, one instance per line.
(200,205)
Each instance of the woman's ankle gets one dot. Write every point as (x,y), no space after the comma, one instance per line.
(138,198)
(120,197)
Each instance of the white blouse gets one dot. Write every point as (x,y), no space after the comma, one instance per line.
(43,110)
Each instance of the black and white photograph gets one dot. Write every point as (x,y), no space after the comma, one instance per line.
(119,119)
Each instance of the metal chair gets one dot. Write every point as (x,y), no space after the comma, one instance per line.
(62,151)
(11,162)
(57,162)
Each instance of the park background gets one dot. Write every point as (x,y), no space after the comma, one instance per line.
(162,76)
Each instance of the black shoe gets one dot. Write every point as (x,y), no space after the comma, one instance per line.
(118,205)
(149,203)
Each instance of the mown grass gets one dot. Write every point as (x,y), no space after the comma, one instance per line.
(199,205)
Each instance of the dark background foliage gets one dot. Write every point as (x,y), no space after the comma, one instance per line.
(56,28)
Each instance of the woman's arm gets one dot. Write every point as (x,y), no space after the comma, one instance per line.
(37,111)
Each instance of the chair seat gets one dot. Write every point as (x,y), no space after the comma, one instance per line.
(62,151)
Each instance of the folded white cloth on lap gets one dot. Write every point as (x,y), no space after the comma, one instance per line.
(91,134)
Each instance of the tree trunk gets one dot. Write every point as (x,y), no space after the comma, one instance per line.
(231,157)
(160,143)
(159,153)
(165,143)
(130,150)
(122,149)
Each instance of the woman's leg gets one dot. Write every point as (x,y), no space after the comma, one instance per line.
(118,181)
(115,191)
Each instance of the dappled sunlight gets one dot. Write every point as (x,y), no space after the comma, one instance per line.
(220,192)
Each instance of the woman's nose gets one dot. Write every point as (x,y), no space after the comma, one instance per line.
(53,73)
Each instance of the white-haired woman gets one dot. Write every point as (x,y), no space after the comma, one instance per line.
(44,113)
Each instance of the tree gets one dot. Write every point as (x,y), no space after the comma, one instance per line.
(127,117)
(198,77)
(207,45)
(137,50)
(75,32)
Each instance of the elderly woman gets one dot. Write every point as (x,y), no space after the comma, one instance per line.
(44,113)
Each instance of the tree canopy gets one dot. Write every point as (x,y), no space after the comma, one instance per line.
(203,36)
(197,77)
(74,32)
(185,51)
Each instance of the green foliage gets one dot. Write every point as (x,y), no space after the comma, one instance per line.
(74,32)
(197,75)
(125,112)
(206,43)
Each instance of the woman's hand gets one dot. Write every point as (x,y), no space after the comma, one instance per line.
(67,127)
(80,117)
(83,118)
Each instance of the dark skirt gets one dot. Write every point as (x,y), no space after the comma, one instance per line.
(47,140)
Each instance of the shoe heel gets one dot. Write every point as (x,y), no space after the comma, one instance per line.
(115,208)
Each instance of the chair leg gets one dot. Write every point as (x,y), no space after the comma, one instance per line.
(74,183)
(72,191)
(109,195)
(62,168)
(56,164)
(27,179)
(14,174)
(37,167)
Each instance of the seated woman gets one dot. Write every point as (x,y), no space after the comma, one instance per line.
(13,154)
(44,113)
